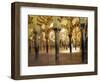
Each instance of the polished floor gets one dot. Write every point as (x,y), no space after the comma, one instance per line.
(64,58)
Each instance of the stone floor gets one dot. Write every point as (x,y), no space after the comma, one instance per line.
(64,57)
(49,59)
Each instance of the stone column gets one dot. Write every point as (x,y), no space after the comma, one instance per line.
(56,42)
(36,41)
(83,44)
(70,32)
(70,35)
(36,45)
(46,43)
(56,29)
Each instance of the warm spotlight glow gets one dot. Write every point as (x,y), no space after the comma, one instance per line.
(51,25)
(52,36)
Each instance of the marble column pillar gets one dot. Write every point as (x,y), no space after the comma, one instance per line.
(70,43)
(83,46)
(47,44)
(36,46)
(56,42)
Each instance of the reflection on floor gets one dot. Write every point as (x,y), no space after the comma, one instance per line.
(62,50)
(64,58)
